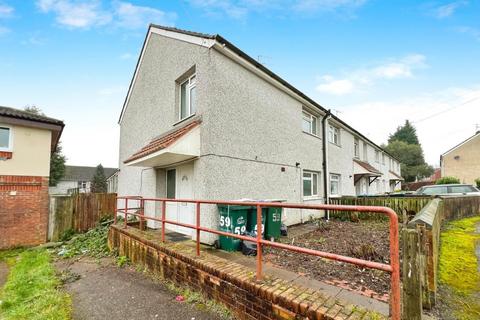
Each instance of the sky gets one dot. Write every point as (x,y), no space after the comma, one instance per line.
(374,63)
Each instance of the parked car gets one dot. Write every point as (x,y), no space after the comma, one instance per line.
(448,190)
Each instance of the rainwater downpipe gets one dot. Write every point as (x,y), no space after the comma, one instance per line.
(325,160)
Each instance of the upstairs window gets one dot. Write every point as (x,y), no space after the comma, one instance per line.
(309,123)
(383,158)
(310,184)
(188,97)
(356,148)
(5,139)
(377,156)
(334,135)
(365,152)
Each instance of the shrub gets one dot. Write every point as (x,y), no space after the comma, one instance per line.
(477,182)
(448,180)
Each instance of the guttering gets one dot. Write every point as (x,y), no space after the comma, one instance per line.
(325,159)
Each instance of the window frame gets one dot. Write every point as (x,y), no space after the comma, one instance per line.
(9,148)
(331,134)
(365,151)
(356,147)
(313,122)
(377,156)
(191,82)
(174,170)
(313,175)
(338,179)
(383,158)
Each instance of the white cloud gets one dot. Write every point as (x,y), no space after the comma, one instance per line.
(475,33)
(4,30)
(76,14)
(449,9)
(92,13)
(239,9)
(442,118)
(327,5)
(356,80)
(132,17)
(6,11)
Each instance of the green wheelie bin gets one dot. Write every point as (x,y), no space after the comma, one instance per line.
(273,223)
(233,219)
(252,220)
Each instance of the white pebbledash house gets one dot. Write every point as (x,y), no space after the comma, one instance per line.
(204,120)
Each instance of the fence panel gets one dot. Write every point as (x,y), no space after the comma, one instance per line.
(79,212)
(403,206)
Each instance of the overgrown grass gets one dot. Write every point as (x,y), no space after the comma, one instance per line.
(31,291)
(458,266)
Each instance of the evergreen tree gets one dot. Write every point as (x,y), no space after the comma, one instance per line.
(405,146)
(405,133)
(57,165)
(99,181)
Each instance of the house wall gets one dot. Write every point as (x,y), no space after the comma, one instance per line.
(23,210)
(28,143)
(467,166)
(63,186)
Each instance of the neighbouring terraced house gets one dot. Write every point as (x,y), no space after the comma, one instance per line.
(26,143)
(204,120)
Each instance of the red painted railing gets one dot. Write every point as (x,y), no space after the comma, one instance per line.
(393,268)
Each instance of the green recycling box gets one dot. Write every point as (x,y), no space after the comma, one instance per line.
(233,219)
(273,223)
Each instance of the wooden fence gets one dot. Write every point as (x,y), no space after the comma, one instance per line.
(403,206)
(421,247)
(78,212)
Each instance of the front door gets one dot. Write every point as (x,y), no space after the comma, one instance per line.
(180,186)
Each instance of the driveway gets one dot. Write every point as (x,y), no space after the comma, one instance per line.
(101,290)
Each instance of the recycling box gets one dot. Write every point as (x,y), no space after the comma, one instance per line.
(233,219)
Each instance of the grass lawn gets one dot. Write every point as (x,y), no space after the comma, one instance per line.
(31,291)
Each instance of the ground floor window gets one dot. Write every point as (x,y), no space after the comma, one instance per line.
(171,183)
(334,184)
(310,183)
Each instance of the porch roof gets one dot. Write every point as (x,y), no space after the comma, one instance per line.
(173,146)
(394,176)
(365,169)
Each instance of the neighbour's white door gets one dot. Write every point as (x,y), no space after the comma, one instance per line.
(179,185)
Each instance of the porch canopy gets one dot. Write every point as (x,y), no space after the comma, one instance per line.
(364,169)
(171,147)
(393,177)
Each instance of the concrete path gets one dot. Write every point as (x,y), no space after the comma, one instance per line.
(105,291)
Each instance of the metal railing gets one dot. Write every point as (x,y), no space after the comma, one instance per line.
(393,268)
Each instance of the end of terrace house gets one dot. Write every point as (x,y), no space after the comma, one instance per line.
(204,120)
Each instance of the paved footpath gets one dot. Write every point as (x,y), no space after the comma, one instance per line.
(105,291)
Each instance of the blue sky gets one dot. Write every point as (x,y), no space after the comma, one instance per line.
(375,63)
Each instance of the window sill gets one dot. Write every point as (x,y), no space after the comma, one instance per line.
(184,119)
(312,198)
(335,144)
(312,135)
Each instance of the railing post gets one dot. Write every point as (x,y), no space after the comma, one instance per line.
(142,213)
(164,209)
(395,263)
(198,228)
(259,242)
(126,209)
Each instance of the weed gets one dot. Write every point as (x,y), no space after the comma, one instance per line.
(67,235)
(122,261)
(92,243)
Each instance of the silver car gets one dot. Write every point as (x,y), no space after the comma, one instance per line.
(448,190)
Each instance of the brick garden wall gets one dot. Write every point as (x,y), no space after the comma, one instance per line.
(23,210)
(229,283)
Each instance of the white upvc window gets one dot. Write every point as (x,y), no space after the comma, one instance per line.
(310,184)
(309,123)
(365,152)
(383,158)
(356,147)
(334,184)
(188,97)
(6,138)
(334,135)
(377,156)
